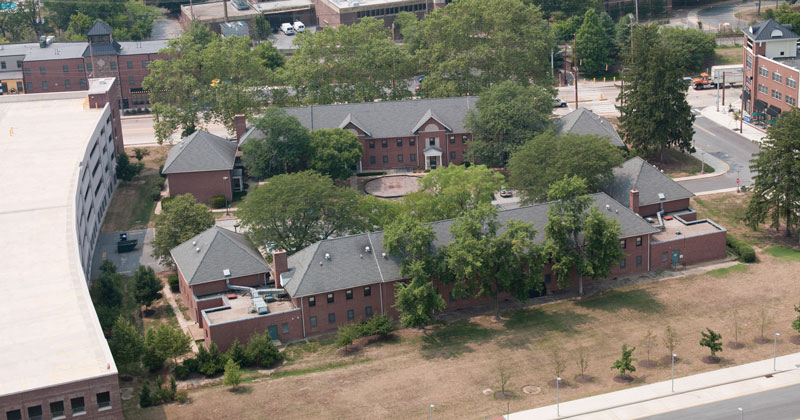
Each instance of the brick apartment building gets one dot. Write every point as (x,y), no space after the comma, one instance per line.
(771,70)
(66,66)
(341,280)
(409,134)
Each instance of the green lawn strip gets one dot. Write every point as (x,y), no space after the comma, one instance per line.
(686,163)
(728,55)
(144,206)
(321,368)
(725,271)
(783,252)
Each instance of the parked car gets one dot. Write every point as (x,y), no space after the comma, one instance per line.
(287,28)
(298,26)
(505,193)
(559,103)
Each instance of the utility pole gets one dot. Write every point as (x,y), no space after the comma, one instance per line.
(225,6)
(575,67)
(758,9)
(636,2)
(191,8)
(723,89)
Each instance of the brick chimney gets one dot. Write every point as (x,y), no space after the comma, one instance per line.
(280,264)
(240,124)
(634,200)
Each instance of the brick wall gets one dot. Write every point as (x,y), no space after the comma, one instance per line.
(139,69)
(771,85)
(341,305)
(669,206)
(202,185)
(189,293)
(54,75)
(112,97)
(374,150)
(88,389)
(695,249)
(288,324)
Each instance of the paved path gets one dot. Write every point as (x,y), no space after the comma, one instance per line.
(778,404)
(185,324)
(690,391)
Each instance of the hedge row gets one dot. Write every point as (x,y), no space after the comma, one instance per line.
(745,252)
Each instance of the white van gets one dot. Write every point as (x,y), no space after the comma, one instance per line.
(287,28)
(299,27)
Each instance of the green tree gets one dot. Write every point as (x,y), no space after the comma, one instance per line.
(237,353)
(261,351)
(418,300)
(485,260)
(776,192)
(206,79)
(345,336)
(622,38)
(505,117)
(269,56)
(625,362)
(334,152)
(79,25)
(549,157)
(125,169)
(796,322)
(233,375)
(351,63)
(181,219)
(126,345)
(167,342)
(449,191)
(261,29)
(407,25)
(711,340)
(140,153)
(148,286)
(565,30)
(593,45)
(22,24)
(470,45)
(283,147)
(587,243)
(409,239)
(695,46)
(145,395)
(377,212)
(295,210)
(652,126)
(211,361)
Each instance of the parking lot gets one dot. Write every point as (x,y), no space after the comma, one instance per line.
(128,262)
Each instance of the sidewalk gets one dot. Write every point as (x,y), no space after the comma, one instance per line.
(725,119)
(690,391)
(720,167)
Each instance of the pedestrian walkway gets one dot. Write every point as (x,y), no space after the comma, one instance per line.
(725,119)
(689,391)
(186,325)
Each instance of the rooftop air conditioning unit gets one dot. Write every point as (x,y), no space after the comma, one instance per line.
(366,248)
(226,272)
(327,256)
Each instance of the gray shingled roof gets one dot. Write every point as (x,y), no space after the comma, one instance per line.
(220,249)
(98,50)
(387,118)
(763,31)
(201,151)
(637,173)
(351,266)
(583,121)
(142,47)
(99,28)
(57,50)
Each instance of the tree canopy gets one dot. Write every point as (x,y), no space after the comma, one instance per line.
(335,152)
(182,218)
(126,344)
(776,190)
(469,45)
(695,46)
(351,63)
(593,45)
(550,157)
(292,211)
(505,117)
(206,79)
(284,146)
(148,287)
(650,125)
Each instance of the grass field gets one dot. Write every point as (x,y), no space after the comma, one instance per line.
(451,365)
(728,55)
(132,206)
(677,164)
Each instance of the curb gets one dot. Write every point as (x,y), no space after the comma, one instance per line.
(722,191)
(720,167)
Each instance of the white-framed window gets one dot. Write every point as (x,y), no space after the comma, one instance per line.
(777,77)
(791,82)
(762,71)
(790,100)
(776,94)
(748,61)
(763,89)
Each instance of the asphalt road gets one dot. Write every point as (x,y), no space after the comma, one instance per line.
(778,404)
(726,145)
(713,16)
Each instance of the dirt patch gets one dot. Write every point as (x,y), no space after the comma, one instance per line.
(762,340)
(648,364)
(711,360)
(508,395)
(795,339)
(584,379)
(735,345)
(623,379)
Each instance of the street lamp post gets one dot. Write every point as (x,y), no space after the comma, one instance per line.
(226,186)
(775,352)
(741,411)
(431,412)
(703,164)
(558,400)
(673,371)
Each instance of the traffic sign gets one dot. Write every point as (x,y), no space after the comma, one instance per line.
(737,180)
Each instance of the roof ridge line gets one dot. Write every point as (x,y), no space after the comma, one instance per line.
(225,233)
(205,252)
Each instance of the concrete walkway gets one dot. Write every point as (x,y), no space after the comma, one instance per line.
(184,323)
(720,167)
(725,119)
(657,398)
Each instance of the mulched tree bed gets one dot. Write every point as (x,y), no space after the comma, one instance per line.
(503,395)
(734,345)
(552,383)
(584,379)
(762,340)
(623,379)
(711,360)
(667,360)
(649,364)
(795,339)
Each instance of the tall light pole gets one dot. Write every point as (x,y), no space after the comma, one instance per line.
(673,371)
(226,186)
(741,411)
(775,352)
(558,400)
(431,412)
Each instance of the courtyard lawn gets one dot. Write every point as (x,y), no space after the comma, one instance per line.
(132,205)
(452,365)
(728,55)
(678,164)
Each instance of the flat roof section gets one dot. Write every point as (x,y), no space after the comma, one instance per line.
(240,308)
(49,329)
(673,226)
(214,11)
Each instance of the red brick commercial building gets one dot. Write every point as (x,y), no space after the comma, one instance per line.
(347,279)
(202,164)
(409,134)
(770,70)
(66,66)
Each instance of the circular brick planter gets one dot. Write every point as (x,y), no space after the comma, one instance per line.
(392,186)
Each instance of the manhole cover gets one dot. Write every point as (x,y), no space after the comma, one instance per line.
(487,391)
(531,389)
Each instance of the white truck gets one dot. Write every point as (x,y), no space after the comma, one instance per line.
(733,75)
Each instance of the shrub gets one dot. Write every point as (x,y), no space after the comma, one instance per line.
(346,334)
(145,396)
(237,353)
(261,351)
(379,325)
(182,396)
(161,170)
(172,280)
(192,364)
(182,372)
(152,360)
(217,202)
(210,361)
(745,252)
(125,169)
(161,182)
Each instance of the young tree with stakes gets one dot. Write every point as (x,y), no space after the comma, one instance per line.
(625,362)
(713,341)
